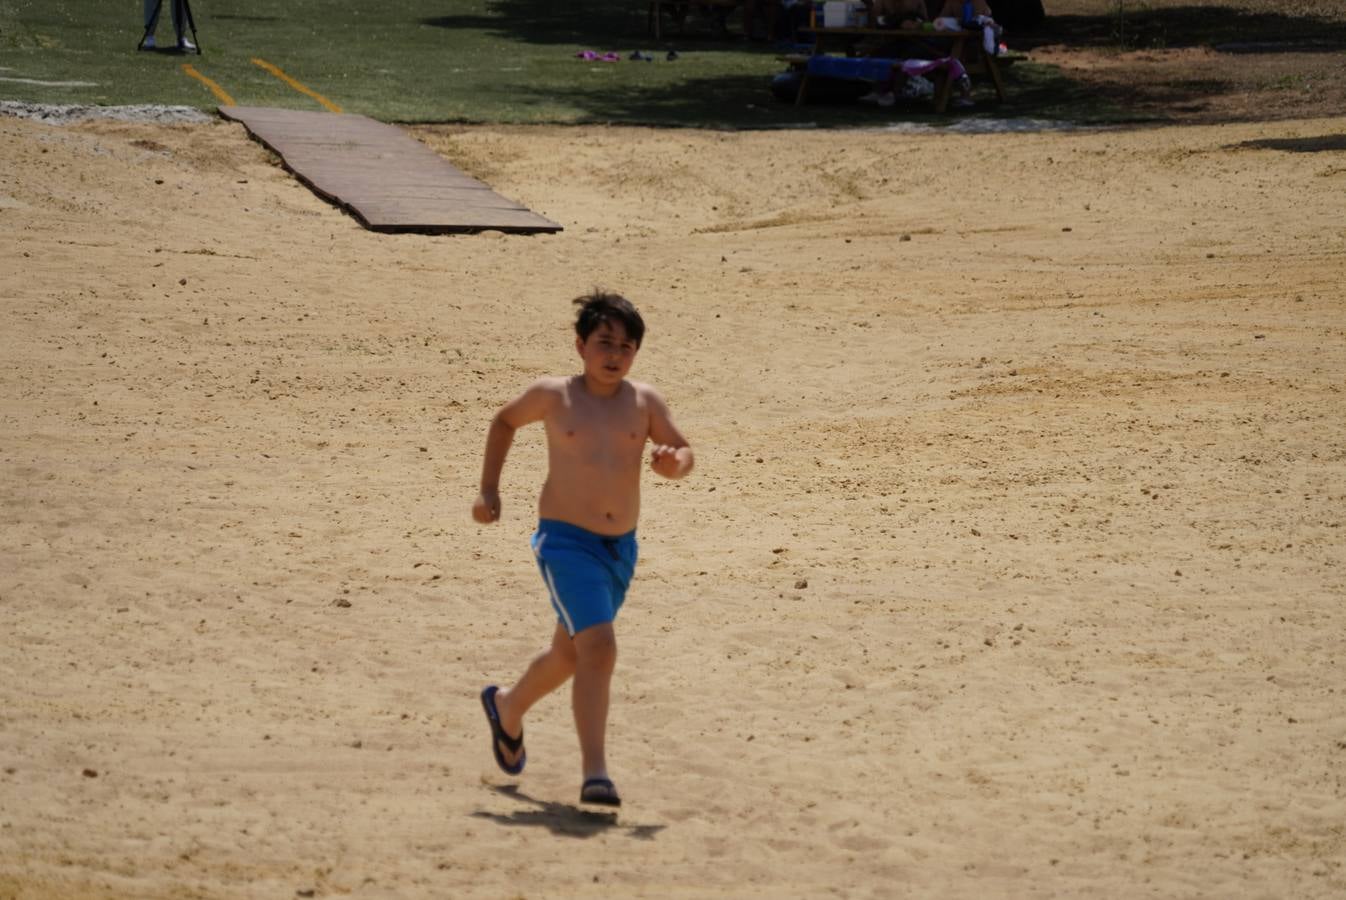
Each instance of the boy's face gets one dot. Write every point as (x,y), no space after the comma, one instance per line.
(607,353)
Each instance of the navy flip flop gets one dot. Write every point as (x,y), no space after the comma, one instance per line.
(498,736)
(600,792)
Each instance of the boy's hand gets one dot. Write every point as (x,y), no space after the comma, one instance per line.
(486,509)
(666,461)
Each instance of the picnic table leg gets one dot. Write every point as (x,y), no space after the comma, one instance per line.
(804,82)
(993,68)
(946,82)
(943,88)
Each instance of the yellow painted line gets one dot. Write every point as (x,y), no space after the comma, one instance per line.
(220,93)
(328,104)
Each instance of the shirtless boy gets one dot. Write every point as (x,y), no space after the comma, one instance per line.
(597,424)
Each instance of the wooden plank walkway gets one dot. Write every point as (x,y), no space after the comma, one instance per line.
(384,177)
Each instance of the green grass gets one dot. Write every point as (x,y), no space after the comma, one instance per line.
(500,61)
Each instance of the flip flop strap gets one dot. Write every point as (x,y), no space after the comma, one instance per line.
(512,744)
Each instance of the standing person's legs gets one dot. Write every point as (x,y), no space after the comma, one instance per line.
(151,15)
(180,25)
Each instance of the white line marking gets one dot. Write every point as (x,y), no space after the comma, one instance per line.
(49,83)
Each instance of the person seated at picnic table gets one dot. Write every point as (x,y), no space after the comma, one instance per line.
(970,15)
(906,14)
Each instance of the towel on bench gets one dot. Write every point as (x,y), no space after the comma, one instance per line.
(872,68)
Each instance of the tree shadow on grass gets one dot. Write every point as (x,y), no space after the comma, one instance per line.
(1142,92)
(1225,28)
(618,23)
(1242,66)
(562,819)
(1222,28)
(1046,93)
(729,102)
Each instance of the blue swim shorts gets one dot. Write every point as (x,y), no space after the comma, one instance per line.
(586,573)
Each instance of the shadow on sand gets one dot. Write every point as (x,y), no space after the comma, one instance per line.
(1332,143)
(562,818)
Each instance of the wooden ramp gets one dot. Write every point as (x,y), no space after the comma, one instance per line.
(385,178)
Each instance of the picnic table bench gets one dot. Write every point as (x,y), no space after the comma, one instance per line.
(974,57)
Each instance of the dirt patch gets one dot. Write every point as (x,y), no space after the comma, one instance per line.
(1243,60)
(66,113)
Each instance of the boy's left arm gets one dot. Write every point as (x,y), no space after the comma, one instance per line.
(671,455)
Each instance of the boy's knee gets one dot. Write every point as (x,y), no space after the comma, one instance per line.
(596,647)
(566,654)
(563,647)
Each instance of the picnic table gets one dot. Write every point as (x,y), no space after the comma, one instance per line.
(970,52)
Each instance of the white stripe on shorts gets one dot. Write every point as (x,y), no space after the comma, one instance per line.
(551,588)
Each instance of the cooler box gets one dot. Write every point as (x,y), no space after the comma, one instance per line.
(843,14)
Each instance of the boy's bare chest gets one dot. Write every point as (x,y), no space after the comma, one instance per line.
(585,426)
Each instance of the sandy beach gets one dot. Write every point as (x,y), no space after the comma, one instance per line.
(1013,564)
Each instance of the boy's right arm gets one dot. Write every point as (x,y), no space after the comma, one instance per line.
(530,406)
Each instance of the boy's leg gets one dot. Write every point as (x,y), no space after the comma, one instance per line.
(595,659)
(548,671)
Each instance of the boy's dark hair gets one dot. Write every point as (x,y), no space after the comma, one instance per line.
(597,307)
